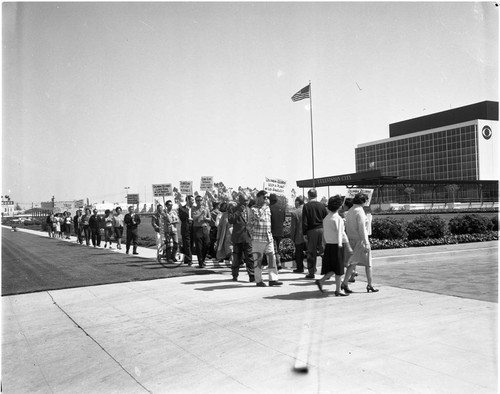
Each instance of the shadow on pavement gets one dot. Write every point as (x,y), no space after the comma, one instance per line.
(221,287)
(301,296)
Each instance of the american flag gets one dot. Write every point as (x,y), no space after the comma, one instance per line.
(301,94)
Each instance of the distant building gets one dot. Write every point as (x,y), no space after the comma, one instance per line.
(459,144)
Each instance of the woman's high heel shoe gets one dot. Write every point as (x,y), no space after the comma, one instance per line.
(345,288)
(371,288)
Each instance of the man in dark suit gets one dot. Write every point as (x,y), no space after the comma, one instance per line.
(132,221)
(313,214)
(186,218)
(95,229)
(296,234)
(239,217)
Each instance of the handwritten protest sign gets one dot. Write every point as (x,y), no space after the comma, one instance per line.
(207,183)
(186,187)
(352,192)
(162,190)
(275,185)
(132,198)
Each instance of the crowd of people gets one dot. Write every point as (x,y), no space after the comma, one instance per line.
(88,223)
(247,232)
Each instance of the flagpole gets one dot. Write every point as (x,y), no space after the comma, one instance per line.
(312,134)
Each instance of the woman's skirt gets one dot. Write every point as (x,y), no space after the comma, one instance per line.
(332,260)
(360,255)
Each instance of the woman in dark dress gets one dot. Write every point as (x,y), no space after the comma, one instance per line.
(334,237)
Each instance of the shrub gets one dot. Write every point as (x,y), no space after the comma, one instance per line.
(445,240)
(494,223)
(286,227)
(387,244)
(426,226)
(287,250)
(389,228)
(469,224)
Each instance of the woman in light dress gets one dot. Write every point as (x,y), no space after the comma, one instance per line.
(118,223)
(224,248)
(357,231)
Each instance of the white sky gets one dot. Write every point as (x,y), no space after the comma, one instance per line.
(99,96)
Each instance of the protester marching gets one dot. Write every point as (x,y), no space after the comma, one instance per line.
(244,228)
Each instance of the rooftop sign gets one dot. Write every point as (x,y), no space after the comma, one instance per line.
(340,180)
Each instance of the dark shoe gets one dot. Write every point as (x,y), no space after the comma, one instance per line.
(251,278)
(298,271)
(202,265)
(346,288)
(279,267)
(310,276)
(261,284)
(275,283)
(320,286)
(235,279)
(338,293)
(126,251)
(370,288)
(352,280)
(135,253)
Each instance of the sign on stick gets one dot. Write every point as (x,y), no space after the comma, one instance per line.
(275,185)
(352,192)
(132,199)
(186,187)
(207,183)
(162,190)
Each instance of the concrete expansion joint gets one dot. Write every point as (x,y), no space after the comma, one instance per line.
(98,344)
(35,360)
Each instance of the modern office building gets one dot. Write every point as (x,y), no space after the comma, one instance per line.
(456,148)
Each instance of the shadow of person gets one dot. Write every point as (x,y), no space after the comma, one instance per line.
(299,296)
(205,282)
(221,287)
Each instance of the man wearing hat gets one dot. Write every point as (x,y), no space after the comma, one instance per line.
(241,238)
(262,240)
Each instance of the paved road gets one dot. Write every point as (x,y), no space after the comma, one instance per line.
(464,270)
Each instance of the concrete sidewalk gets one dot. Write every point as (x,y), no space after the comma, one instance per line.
(207,334)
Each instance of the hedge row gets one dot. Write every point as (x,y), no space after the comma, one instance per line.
(431,226)
(425,230)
